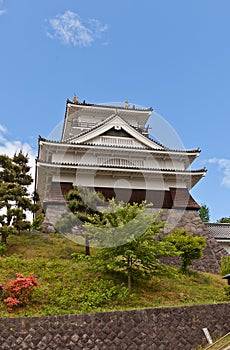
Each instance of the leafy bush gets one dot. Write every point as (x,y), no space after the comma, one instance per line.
(3,249)
(100,292)
(225,265)
(37,223)
(19,291)
(85,296)
(225,270)
(227,292)
(81,257)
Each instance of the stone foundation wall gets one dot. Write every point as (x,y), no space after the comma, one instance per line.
(178,328)
(53,212)
(191,221)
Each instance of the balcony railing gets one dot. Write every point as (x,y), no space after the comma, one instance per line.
(115,141)
(121,162)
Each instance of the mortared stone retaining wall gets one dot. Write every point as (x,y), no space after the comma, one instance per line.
(175,328)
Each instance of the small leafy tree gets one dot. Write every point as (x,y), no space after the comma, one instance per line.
(189,246)
(127,235)
(15,200)
(82,203)
(204,213)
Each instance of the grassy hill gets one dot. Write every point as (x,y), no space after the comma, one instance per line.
(69,282)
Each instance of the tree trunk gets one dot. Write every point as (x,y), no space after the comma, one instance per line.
(87,248)
(129,271)
(129,278)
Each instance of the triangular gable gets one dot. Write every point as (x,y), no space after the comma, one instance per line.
(116,137)
(119,124)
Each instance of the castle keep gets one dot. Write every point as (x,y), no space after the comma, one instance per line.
(108,148)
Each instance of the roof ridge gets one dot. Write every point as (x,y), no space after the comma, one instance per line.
(78,103)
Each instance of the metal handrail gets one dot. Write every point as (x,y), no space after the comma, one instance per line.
(218,341)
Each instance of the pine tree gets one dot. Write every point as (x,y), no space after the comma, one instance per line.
(15,200)
(204,213)
(82,203)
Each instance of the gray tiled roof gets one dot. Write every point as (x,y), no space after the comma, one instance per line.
(219,230)
(165,150)
(108,106)
(40,161)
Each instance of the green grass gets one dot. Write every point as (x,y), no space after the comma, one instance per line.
(74,285)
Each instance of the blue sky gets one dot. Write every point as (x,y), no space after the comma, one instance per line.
(171,55)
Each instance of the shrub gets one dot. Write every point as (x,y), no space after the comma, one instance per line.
(37,223)
(3,249)
(19,291)
(225,265)
(225,270)
(227,292)
(100,292)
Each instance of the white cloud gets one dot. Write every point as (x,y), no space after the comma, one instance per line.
(10,147)
(2,129)
(2,11)
(224,166)
(70,29)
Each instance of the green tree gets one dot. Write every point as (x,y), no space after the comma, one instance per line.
(82,203)
(189,246)
(225,265)
(15,200)
(128,235)
(224,220)
(225,270)
(204,213)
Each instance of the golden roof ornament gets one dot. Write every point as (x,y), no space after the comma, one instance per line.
(127,104)
(75,98)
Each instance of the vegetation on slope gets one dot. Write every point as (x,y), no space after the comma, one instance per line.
(70,282)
